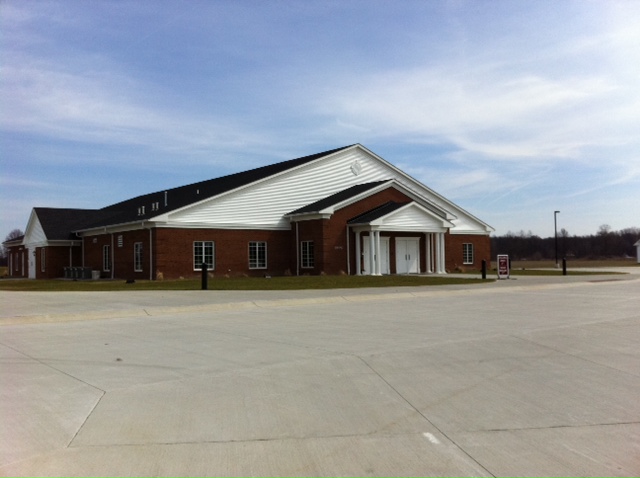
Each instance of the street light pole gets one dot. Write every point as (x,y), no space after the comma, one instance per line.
(555,228)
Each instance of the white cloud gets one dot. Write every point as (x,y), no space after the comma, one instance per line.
(103,107)
(512,117)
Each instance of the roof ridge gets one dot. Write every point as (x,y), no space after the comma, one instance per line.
(242,178)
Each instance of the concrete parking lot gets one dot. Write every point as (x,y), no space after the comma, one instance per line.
(535,376)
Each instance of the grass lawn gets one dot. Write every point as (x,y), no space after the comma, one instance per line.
(574,267)
(252,283)
(574,264)
(519,268)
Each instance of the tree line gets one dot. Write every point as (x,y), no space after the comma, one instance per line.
(605,244)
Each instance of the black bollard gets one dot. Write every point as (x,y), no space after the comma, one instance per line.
(484,269)
(564,266)
(205,277)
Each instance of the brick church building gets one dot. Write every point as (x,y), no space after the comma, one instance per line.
(344,211)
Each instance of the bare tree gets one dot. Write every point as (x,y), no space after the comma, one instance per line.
(604,230)
(16,233)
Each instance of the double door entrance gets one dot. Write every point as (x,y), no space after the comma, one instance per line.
(407,255)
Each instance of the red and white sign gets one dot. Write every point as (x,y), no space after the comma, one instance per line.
(503,266)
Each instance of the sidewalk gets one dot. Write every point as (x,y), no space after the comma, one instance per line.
(42,307)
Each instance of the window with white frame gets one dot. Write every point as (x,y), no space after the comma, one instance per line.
(42,259)
(203,252)
(467,253)
(106,258)
(257,255)
(306,255)
(137,256)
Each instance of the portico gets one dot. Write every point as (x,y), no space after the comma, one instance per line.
(397,230)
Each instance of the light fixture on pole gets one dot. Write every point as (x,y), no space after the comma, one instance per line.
(555,228)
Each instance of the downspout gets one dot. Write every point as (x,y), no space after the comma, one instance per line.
(150,254)
(297,251)
(113,258)
(81,250)
(348,254)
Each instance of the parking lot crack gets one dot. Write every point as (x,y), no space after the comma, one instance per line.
(552,427)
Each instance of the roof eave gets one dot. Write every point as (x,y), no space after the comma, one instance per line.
(309,216)
(118,227)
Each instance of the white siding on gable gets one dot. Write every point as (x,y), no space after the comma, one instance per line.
(412,219)
(34,235)
(264,205)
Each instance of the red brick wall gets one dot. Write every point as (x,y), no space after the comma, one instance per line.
(93,253)
(56,259)
(174,252)
(122,257)
(453,251)
(18,267)
(311,231)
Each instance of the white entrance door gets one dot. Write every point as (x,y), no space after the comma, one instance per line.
(384,252)
(407,255)
(32,263)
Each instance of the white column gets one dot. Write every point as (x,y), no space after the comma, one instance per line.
(372,253)
(358,255)
(444,256)
(437,266)
(378,268)
(427,243)
(440,254)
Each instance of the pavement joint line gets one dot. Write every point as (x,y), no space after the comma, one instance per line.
(579,357)
(444,434)
(95,406)
(48,365)
(276,303)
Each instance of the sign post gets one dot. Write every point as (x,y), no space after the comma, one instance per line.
(503,266)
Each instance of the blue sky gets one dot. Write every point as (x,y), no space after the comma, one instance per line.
(511,109)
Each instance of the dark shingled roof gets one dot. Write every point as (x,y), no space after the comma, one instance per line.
(176,198)
(337,198)
(59,224)
(376,213)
